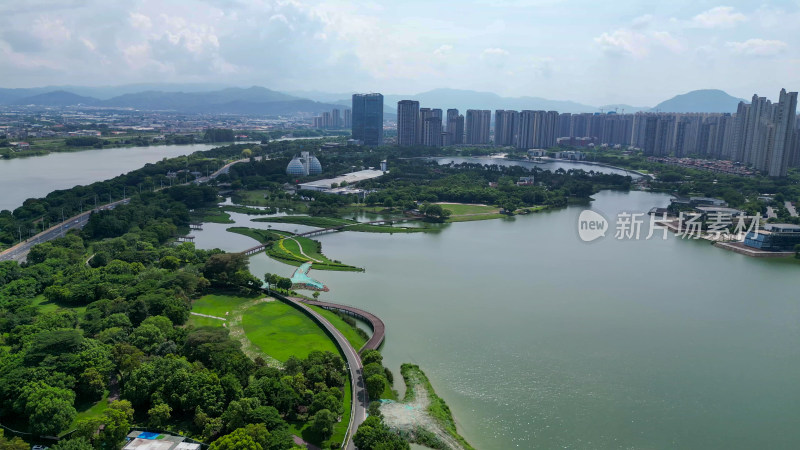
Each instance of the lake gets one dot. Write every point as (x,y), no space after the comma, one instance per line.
(539,340)
(37,176)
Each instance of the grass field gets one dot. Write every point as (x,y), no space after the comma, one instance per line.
(347,331)
(330,222)
(261,236)
(298,250)
(281,331)
(199,321)
(47,307)
(461,209)
(218,304)
(214,216)
(90,410)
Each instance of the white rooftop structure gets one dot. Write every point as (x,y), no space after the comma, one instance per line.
(348,178)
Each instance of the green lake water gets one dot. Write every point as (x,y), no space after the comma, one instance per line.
(538,340)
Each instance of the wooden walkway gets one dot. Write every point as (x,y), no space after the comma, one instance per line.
(377,325)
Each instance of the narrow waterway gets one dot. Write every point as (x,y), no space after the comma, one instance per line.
(539,340)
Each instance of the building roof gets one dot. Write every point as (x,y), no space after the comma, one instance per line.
(350,178)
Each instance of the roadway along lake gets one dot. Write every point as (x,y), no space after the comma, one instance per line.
(37,176)
(539,340)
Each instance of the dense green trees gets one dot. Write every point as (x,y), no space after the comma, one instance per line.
(374,435)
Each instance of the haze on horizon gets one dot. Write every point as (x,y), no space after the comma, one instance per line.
(584,51)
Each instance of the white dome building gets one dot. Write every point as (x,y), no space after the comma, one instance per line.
(304,165)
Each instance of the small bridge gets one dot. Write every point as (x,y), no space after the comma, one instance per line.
(262,247)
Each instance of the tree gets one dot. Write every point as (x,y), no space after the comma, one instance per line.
(797,251)
(49,409)
(315,295)
(373,434)
(285,283)
(76,443)
(159,415)
(14,443)
(375,386)
(247,153)
(322,424)
(238,440)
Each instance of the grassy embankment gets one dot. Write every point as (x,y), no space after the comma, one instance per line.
(44,146)
(294,250)
(438,409)
(330,222)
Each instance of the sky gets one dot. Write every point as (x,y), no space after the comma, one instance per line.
(637,52)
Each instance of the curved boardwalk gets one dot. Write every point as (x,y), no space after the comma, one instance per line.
(360,399)
(377,325)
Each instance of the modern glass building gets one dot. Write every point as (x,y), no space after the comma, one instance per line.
(303,165)
(368,118)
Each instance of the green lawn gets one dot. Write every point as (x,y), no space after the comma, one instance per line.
(319,222)
(347,331)
(288,251)
(215,216)
(199,321)
(460,209)
(261,236)
(90,410)
(48,307)
(218,304)
(281,331)
(452,219)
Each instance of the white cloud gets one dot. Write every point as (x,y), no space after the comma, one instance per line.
(668,40)
(140,21)
(757,47)
(623,42)
(719,17)
(443,50)
(642,21)
(495,52)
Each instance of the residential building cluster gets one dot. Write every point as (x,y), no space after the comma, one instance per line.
(334,120)
(761,135)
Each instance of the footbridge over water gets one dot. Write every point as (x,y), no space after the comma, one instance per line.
(317,232)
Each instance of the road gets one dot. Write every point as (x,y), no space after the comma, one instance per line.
(20,251)
(360,400)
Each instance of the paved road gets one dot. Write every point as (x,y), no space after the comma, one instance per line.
(791,208)
(375,322)
(360,400)
(20,251)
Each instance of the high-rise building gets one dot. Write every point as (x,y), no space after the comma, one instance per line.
(348,118)
(455,128)
(780,154)
(368,118)
(431,121)
(408,123)
(477,126)
(336,119)
(506,125)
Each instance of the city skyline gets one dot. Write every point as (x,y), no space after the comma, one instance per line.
(544,48)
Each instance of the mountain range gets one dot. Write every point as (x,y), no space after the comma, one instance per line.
(209,99)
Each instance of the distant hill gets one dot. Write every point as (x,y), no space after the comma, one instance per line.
(196,101)
(704,100)
(622,108)
(466,99)
(55,98)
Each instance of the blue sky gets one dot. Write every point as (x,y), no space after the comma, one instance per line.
(635,52)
